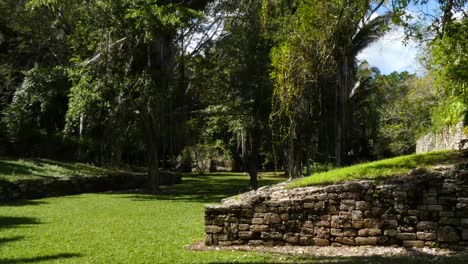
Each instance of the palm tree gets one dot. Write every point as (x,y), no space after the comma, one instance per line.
(351,39)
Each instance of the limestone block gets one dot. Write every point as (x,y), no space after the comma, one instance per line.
(245,221)
(231,219)
(462,206)
(372,223)
(363,205)
(406,236)
(258,228)
(427,225)
(271,235)
(357,224)
(247,213)
(308,224)
(447,234)
(307,231)
(208,239)
(348,195)
(349,232)
(449,221)
(345,215)
(366,241)
(322,196)
(345,241)
(352,187)
(323,223)
(213,229)
(306,240)
(411,220)
(413,244)
(322,232)
(258,221)
(390,233)
(426,235)
(261,209)
(369,232)
(271,218)
(245,234)
(244,227)
(292,238)
(320,242)
(220,237)
(406,229)
(336,232)
(346,207)
(334,189)
(389,224)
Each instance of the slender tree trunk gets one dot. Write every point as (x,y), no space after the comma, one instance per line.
(338,127)
(341,107)
(152,135)
(291,162)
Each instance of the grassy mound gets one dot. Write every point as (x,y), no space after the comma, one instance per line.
(13,170)
(382,168)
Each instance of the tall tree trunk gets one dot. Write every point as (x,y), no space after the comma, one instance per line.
(338,122)
(341,109)
(291,161)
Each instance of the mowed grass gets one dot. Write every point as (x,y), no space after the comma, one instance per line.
(135,228)
(382,168)
(19,169)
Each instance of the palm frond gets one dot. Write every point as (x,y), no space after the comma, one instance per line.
(370,32)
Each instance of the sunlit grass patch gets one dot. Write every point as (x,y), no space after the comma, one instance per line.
(382,168)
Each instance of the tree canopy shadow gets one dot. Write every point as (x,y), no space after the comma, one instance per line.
(41,258)
(10,239)
(204,188)
(12,222)
(22,203)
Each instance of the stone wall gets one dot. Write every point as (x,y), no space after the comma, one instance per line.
(448,138)
(416,210)
(48,187)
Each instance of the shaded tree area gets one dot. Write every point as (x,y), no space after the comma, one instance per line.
(246,85)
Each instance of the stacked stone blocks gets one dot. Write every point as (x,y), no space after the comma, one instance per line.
(412,211)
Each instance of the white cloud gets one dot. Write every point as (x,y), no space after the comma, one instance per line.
(390,53)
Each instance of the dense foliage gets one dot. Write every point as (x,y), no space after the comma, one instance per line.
(248,85)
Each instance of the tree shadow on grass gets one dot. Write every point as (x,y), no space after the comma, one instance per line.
(10,239)
(22,203)
(13,222)
(7,168)
(38,259)
(210,188)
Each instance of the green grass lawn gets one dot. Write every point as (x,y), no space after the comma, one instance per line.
(382,168)
(18,169)
(135,228)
